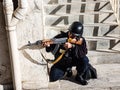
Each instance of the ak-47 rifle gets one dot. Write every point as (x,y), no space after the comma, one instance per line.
(50,41)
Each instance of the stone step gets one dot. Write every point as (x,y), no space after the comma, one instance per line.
(74,2)
(90,12)
(104,56)
(87,19)
(75,8)
(85,13)
(90,24)
(102,42)
(108,79)
(97,38)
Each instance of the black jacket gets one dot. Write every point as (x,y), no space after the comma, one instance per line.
(78,51)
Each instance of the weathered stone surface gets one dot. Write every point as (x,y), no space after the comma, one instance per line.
(5,69)
(33,68)
(108,79)
(36,25)
(104,56)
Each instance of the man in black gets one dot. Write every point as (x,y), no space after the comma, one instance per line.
(75,55)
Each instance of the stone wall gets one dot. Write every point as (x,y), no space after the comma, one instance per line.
(42,23)
(5,69)
(33,67)
(47,18)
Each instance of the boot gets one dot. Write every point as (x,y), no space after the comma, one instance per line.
(69,72)
(80,79)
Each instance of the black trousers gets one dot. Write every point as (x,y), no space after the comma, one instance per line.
(58,70)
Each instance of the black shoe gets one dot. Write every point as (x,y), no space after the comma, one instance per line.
(69,72)
(81,80)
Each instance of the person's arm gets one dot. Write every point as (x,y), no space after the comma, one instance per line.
(81,50)
(77,42)
(72,42)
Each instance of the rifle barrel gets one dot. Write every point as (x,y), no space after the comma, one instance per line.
(39,42)
(54,41)
(59,40)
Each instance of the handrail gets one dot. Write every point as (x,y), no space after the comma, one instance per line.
(116,8)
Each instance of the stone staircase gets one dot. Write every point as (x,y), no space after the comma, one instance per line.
(105,81)
(108,79)
(101,31)
(101,28)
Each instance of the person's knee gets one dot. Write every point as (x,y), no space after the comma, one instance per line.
(86,60)
(56,74)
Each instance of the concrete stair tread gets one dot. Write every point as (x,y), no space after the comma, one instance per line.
(102,52)
(81,13)
(90,24)
(108,79)
(104,56)
(76,2)
(94,38)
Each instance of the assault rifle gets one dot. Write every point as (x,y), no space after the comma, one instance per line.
(50,41)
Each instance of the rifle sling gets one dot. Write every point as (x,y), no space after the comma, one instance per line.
(59,58)
(56,60)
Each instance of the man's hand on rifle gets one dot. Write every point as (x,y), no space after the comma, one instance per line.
(46,43)
(67,45)
(70,43)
